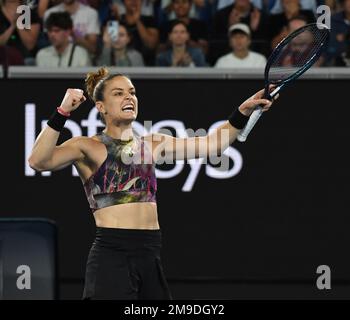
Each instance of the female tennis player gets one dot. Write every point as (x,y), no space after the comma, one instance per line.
(117,168)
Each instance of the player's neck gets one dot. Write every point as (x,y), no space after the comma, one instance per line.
(122,132)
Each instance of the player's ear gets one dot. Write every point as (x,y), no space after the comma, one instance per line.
(100,107)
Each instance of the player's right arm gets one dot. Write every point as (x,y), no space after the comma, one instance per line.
(45,155)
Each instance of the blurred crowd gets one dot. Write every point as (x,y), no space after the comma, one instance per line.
(173,33)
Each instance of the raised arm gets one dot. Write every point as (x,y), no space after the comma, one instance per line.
(214,143)
(46,156)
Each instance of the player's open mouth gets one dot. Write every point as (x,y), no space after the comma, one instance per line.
(128,108)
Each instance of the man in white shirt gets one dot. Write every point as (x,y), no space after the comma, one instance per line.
(241,56)
(86,25)
(62,53)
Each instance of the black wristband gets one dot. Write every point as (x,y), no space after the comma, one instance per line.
(57,121)
(237,119)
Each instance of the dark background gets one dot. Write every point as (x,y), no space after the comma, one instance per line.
(261,234)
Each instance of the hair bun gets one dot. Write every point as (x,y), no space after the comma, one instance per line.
(93,78)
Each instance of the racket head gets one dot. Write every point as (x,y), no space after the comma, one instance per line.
(295,54)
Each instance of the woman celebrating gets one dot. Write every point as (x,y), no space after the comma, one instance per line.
(117,169)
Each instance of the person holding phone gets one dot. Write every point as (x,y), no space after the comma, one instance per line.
(117,49)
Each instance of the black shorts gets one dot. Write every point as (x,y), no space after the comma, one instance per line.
(125,264)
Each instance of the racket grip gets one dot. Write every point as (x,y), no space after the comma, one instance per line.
(254,117)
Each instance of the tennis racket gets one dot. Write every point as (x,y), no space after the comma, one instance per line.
(289,60)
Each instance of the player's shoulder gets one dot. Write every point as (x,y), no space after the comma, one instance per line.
(82,141)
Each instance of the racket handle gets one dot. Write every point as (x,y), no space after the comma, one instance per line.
(254,117)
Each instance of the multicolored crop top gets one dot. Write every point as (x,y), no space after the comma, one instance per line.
(127,175)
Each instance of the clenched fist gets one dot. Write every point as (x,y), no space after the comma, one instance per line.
(72,100)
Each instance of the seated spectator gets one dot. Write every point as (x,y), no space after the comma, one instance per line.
(143,30)
(43,5)
(147,7)
(221,4)
(103,8)
(22,41)
(242,11)
(340,30)
(304,5)
(241,56)
(300,46)
(278,23)
(200,9)
(85,23)
(180,54)
(293,24)
(118,53)
(196,28)
(62,53)
(334,5)
(300,43)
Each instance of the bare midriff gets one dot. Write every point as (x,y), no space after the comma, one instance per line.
(138,215)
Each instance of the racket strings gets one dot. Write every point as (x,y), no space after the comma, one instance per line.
(297,52)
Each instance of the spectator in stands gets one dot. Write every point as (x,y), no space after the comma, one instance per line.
(292,25)
(276,5)
(340,30)
(241,56)
(62,53)
(86,26)
(278,23)
(197,29)
(200,9)
(291,54)
(103,8)
(143,29)
(147,7)
(21,42)
(221,4)
(43,5)
(240,11)
(119,53)
(180,54)
(334,5)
